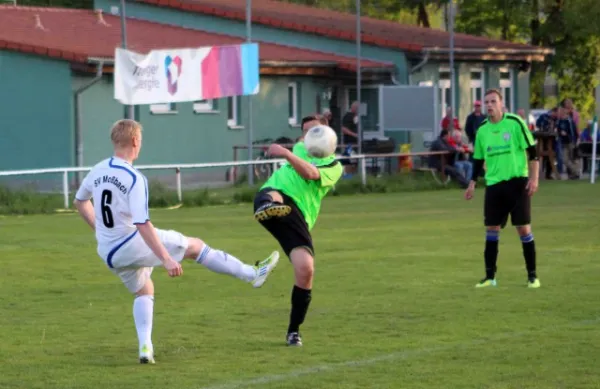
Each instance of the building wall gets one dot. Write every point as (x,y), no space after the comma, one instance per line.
(259,32)
(464,95)
(184,136)
(36,119)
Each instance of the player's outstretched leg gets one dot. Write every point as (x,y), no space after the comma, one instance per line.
(529,253)
(492,237)
(303,263)
(223,263)
(143,312)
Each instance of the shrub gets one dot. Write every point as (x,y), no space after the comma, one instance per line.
(31,202)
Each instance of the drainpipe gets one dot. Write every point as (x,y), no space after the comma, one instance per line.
(78,119)
(420,64)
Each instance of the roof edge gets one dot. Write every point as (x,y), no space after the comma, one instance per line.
(490,50)
(330,32)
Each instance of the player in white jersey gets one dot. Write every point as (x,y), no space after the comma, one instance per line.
(128,242)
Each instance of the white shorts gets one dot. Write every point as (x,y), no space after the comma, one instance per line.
(134,261)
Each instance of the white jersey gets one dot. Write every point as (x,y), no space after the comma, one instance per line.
(120,196)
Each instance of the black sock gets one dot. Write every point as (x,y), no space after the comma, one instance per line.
(300,301)
(529,254)
(491,253)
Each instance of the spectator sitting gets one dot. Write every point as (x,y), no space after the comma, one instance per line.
(586,134)
(450,168)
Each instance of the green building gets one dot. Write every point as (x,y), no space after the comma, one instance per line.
(57,109)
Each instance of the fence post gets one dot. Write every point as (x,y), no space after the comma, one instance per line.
(66,188)
(363,171)
(178,179)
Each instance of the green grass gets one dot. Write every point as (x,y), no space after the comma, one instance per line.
(394,304)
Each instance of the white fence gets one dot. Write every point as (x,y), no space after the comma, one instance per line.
(178,167)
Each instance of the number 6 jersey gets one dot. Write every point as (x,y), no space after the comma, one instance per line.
(120,196)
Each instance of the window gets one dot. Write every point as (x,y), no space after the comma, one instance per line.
(445,90)
(209,105)
(477,86)
(293,103)
(506,87)
(163,108)
(233,111)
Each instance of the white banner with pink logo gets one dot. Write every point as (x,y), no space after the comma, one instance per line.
(182,75)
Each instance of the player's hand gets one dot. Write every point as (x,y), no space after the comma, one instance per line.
(276,150)
(470,191)
(173,268)
(532,186)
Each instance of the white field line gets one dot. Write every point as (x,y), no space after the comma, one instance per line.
(400,355)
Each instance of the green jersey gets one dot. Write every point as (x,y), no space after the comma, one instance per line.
(502,145)
(307,194)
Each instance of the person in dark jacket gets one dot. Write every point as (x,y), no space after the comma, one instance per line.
(473,122)
(435,161)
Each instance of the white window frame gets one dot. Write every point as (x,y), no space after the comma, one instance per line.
(293,116)
(477,84)
(443,84)
(204,106)
(162,109)
(505,84)
(233,102)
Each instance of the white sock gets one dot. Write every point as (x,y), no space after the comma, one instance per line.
(143,309)
(223,263)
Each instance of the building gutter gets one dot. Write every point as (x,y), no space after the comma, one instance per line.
(78,117)
(491,50)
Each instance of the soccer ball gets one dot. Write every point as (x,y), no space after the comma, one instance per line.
(320,141)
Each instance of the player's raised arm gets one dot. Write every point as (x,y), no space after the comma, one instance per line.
(304,168)
(83,203)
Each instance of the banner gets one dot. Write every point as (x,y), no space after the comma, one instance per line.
(182,75)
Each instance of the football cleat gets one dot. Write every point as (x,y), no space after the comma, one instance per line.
(294,339)
(486,282)
(269,210)
(264,268)
(146,355)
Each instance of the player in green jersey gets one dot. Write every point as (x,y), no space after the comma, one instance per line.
(287,206)
(508,149)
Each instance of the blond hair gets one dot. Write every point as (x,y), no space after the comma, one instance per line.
(123,131)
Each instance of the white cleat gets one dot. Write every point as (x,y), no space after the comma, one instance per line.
(264,268)
(146,355)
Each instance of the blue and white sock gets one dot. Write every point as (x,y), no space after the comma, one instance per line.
(220,262)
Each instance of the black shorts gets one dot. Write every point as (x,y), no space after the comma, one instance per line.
(290,231)
(507,198)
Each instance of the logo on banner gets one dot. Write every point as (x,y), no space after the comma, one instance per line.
(173,70)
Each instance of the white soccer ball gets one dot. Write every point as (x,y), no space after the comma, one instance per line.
(320,141)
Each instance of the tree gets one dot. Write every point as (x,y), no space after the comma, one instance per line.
(424,13)
(568,26)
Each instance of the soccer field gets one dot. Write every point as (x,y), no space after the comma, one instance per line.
(394,303)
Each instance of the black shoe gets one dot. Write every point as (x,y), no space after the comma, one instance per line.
(294,339)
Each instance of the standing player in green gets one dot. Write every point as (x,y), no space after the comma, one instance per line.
(508,149)
(287,206)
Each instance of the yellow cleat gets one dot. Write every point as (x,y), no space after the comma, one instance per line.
(485,283)
(534,283)
(270,210)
